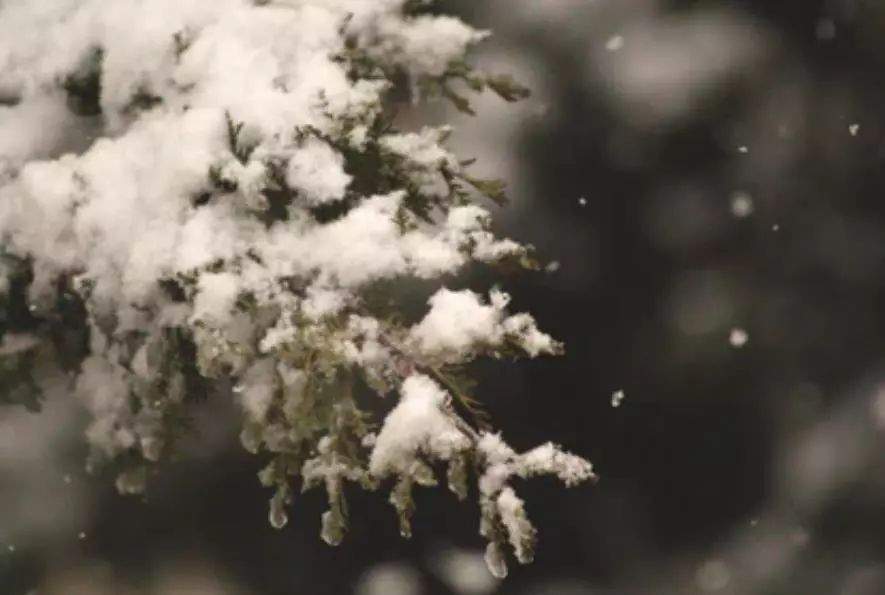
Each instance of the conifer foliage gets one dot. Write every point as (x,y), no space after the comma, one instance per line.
(207,199)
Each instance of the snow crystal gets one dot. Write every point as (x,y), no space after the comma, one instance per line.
(738,337)
(742,205)
(427,45)
(514,520)
(256,389)
(317,171)
(548,459)
(216,295)
(495,561)
(417,424)
(423,151)
(102,386)
(522,327)
(323,301)
(614,43)
(459,324)
(496,451)
(363,246)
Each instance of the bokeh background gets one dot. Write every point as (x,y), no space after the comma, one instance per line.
(706,178)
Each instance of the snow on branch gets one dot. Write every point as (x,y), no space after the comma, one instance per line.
(208,204)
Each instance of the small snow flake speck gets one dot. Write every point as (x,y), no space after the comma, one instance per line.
(741,205)
(738,337)
(614,43)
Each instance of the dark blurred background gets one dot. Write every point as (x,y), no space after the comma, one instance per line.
(706,178)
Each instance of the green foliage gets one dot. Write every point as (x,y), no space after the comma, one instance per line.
(507,88)
(142,100)
(83,87)
(504,85)
(240,147)
(182,41)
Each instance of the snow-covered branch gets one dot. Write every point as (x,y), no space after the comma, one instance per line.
(197,194)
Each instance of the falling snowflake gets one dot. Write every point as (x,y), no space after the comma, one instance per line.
(738,337)
(741,205)
(614,43)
